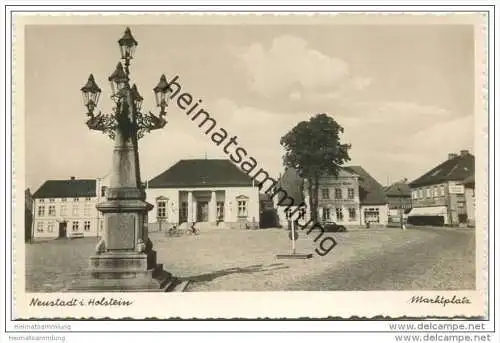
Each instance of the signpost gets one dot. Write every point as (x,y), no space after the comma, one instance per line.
(293,235)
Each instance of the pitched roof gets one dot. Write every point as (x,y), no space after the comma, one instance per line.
(293,185)
(371,191)
(67,189)
(470,180)
(454,169)
(398,189)
(201,173)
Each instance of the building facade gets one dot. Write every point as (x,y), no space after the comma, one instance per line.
(470,199)
(438,196)
(28,215)
(211,193)
(353,198)
(67,209)
(399,200)
(338,199)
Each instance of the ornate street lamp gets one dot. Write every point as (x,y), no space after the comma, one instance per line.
(124,257)
(118,79)
(161,90)
(127,47)
(90,93)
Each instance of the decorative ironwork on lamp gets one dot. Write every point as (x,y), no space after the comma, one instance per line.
(141,123)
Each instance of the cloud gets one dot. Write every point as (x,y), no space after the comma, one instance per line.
(391,139)
(290,67)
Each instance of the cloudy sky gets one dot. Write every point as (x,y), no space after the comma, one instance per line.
(404,94)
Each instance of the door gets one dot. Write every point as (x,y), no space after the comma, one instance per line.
(62,229)
(202,211)
(183,213)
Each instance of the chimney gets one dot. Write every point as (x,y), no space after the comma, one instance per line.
(451,156)
(72,178)
(464,152)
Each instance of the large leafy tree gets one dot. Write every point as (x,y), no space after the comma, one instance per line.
(314,149)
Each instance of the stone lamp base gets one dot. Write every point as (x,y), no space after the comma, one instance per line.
(127,272)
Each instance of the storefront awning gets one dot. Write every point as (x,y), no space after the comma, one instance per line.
(428,211)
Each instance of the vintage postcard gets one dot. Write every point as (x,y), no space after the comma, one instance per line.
(193,166)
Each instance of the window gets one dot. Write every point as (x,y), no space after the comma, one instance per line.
(220,210)
(75,226)
(326,213)
(352,214)
(88,199)
(428,193)
(350,193)
(63,200)
(372,215)
(41,200)
(39,227)
(75,210)
(302,213)
(103,191)
(52,200)
(441,190)
(86,210)
(339,214)
(86,225)
(64,210)
(242,208)
(50,227)
(41,211)
(414,194)
(436,191)
(76,199)
(52,210)
(325,193)
(161,209)
(338,193)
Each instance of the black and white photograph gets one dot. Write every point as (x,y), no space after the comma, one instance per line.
(208,155)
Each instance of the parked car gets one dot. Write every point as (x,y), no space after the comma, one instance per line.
(334,227)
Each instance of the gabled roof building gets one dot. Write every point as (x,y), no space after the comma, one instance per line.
(67,208)
(352,198)
(209,192)
(438,196)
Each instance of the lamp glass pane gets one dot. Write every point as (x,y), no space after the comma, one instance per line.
(85,97)
(138,104)
(158,98)
(162,98)
(113,87)
(127,52)
(94,97)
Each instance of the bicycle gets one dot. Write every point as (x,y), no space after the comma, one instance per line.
(193,230)
(174,232)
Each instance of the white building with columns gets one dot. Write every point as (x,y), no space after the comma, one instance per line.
(209,192)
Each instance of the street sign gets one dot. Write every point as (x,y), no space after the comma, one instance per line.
(293,235)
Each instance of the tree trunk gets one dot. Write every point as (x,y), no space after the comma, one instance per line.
(316,196)
(314,212)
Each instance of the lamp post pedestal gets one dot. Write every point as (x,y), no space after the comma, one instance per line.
(125,260)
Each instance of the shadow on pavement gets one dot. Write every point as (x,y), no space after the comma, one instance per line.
(256,268)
